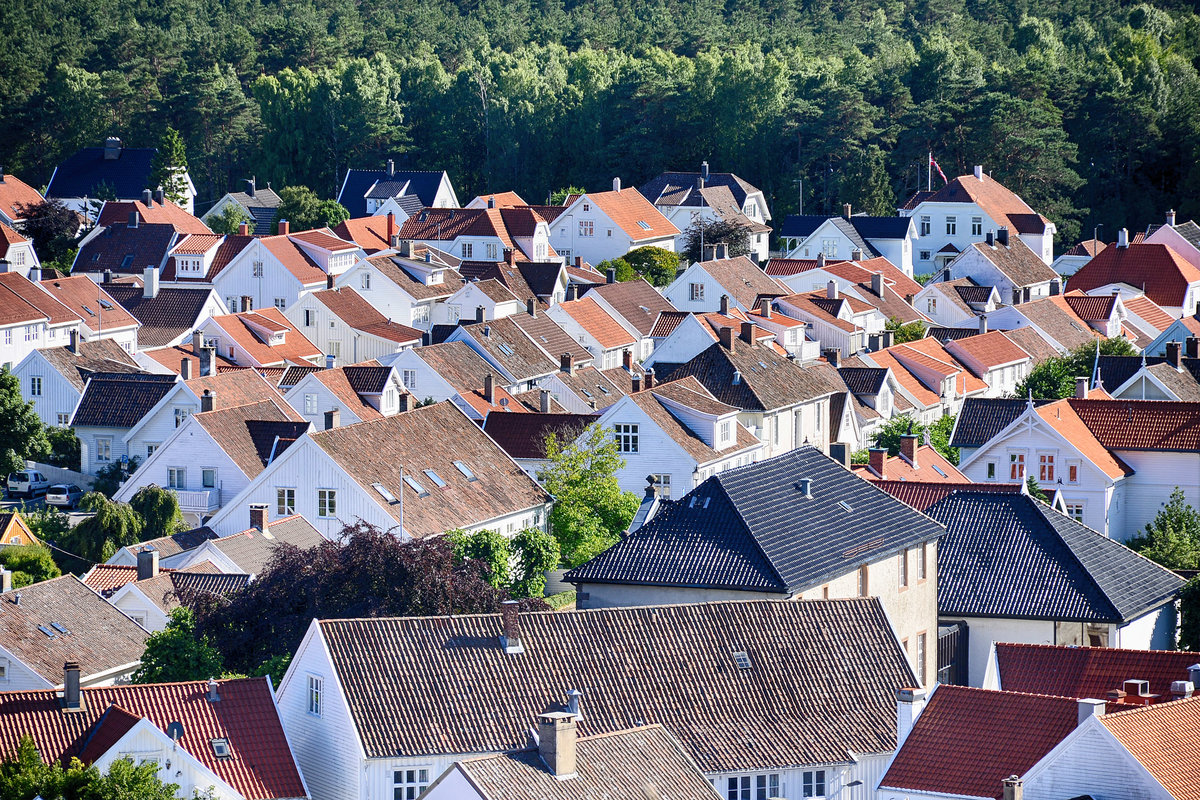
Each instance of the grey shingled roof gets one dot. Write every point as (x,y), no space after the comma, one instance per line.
(1008,555)
(820,686)
(252,552)
(752,529)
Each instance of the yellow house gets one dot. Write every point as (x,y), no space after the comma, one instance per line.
(14,530)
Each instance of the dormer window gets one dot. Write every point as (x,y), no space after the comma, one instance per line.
(726,432)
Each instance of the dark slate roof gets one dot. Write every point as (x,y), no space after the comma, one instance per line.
(367,379)
(820,685)
(944,335)
(164,318)
(176,543)
(860,227)
(752,529)
(881,227)
(863,380)
(272,437)
(423,184)
(1008,555)
(82,174)
(796,226)
(982,418)
(524,435)
(125,250)
(851,232)
(679,188)
(1115,370)
(120,400)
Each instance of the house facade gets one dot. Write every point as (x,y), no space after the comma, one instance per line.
(600,226)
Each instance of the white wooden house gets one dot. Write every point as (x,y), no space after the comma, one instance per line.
(343,324)
(33,319)
(53,378)
(599,226)
(405,286)
(359,392)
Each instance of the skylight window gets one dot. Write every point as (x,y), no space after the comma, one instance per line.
(643,225)
(742,659)
(90,312)
(465,470)
(383,491)
(437,479)
(508,351)
(221,748)
(59,627)
(845,506)
(938,470)
(416,487)
(105,304)
(46,631)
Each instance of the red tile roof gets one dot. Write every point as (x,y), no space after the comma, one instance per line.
(1141,424)
(261,763)
(967,741)
(499,200)
(369,233)
(1061,416)
(15,192)
(991,349)
(116,212)
(1082,672)
(197,244)
(324,239)
(1091,308)
(929,461)
(87,300)
(293,257)
(9,236)
(1158,270)
(1088,247)
(598,323)
(22,301)
(1149,312)
(633,214)
(294,349)
(107,578)
(1163,739)
(170,357)
(996,200)
(922,494)
(350,307)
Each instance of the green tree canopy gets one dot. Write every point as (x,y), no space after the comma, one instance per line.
(178,653)
(29,563)
(22,435)
(230,219)
(1172,538)
(708,232)
(169,169)
(111,526)
(159,510)
(52,227)
(24,775)
(905,332)
(657,265)
(303,210)
(939,432)
(1055,377)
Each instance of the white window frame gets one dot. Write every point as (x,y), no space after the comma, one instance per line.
(926,225)
(587,228)
(813,779)
(976,226)
(327,503)
(663,482)
(205,481)
(104,448)
(408,783)
(1016,466)
(922,642)
(628,437)
(467,249)
(64,420)
(1046,463)
(177,478)
(1075,510)
(35,386)
(696,292)
(364,280)
(951,226)
(316,691)
(285,501)
(310,403)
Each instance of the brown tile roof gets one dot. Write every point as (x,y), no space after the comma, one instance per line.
(1088,672)
(1160,737)
(743,280)
(598,323)
(1032,342)
(667,322)
(14,193)
(99,637)
(524,435)
(350,307)
(593,386)
(390,267)
(813,303)
(165,317)
(1150,312)
(9,236)
(991,349)
(176,543)
(549,335)
(1058,320)
(688,392)
(89,301)
(520,356)
(247,433)
(532,401)
(996,200)
(1156,269)
(1092,308)
(260,765)
(500,199)
(923,494)
(252,550)
(237,387)
(633,214)
(336,381)
(197,244)
(107,578)
(457,364)
(639,303)
(21,301)
(495,291)
(323,238)
(447,224)
(967,741)
(655,664)
(1021,265)
(931,354)
(1088,247)
(432,438)
(120,400)
(623,765)
(116,212)
(294,349)
(103,355)
(1182,384)
(1141,424)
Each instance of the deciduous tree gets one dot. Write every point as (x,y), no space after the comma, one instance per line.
(178,653)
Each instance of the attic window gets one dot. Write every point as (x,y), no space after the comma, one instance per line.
(58,626)
(221,748)
(742,659)
(105,304)
(845,506)
(938,470)
(465,470)
(127,261)
(416,487)
(384,493)
(437,479)
(46,631)
(585,392)
(642,224)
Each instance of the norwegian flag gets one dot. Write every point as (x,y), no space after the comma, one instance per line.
(934,164)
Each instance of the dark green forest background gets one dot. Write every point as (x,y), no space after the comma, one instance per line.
(1090,109)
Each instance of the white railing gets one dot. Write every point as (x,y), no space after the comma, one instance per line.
(197,502)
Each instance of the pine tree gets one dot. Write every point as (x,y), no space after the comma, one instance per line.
(170,167)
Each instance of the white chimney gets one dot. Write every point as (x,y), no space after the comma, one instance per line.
(1123,237)
(1171,218)
(616,184)
(909,705)
(979,172)
(1090,708)
(831,290)
(150,283)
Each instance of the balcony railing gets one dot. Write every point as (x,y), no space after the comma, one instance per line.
(204,501)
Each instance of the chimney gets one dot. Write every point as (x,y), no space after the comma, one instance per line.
(856,254)
(556,743)
(1090,708)
(185,368)
(208,361)
(831,290)
(1014,788)
(627,360)
(877,460)
(1194,674)
(510,618)
(284,227)
(704,171)
(990,239)
(648,379)
(258,516)
(1123,238)
(133,219)
(406,248)
(1182,689)
(1081,387)
(73,346)
(846,210)
(820,261)
(1170,214)
(908,448)
(983,324)
(1,174)
(572,291)
(480,314)
(160,196)
(333,418)
(616,184)
(764,308)
(1175,355)
(636,380)
(1002,236)
(725,304)
(510,256)
(544,400)
(727,338)
(877,284)
(391,167)
(391,226)
(804,486)
(72,700)
(840,452)
(147,564)
(910,702)
(833,355)
(251,186)
(244,229)
(610,275)
(150,283)
(197,342)
(330,360)
(112,148)
(147,198)
(247,303)
(579,262)
(213,697)
(489,388)
(566,363)
(1191,347)
(406,402)
(979,172)
(491,202)
(5,580)
(531,307)
(748,333)
(721,251)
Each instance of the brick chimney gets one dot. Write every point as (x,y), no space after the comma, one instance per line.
(727,338)
(333,418)
(510,619)
(72,698)
(258,517)
(908,448)
(566,363)
(556,743)
(284,227)
(725,304)
(147,564)
(1175,355)
(877,460)
(648,380)
(391,226)
(748,333)
(627,360)
(207,400)
(244,229)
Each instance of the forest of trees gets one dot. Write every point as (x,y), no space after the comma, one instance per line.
(1090,109)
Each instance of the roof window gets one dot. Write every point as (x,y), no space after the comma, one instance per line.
(416,487)
(221,748)
(383,492)
(742,659)
(642,224)
(437,479)
(465,470)
(58,626)
(845,506)
(46,631)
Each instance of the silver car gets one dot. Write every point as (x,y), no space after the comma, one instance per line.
(64,494)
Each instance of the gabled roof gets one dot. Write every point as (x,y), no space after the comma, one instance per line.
(752,529)
(165,317)
(99,637)
(633,214)
(593,386)
(982,418)
(1160,738)
(14,193)
(681,188)
(252,550)
(623,765)
(98,309)
(743,280)
(1014,557)
(337,381)
(1092,308)
(508,345)
(261,205)
(431,438)
(260,765)
(21,301)
(422,183)
(120,400)
(689,393)
(1141,424)
(995,199)
(671,665)
(369,233)
(1033,342)
(598,323)
(253,434)
(176,543)
(351,308)
(1149,312)
(103,355)
(235,387)
(922,494)
(392,268)
(457,364)
(171,357)
(295,348)
(1088,672)
(1158,270)
(638,303)
(863,380)
(1016,261)
(524,435)
(931,466)
(126,250)
(990,350)
(967,741)
(1088,247)
(166,213)
(446,224)
(549,335)
(88,173)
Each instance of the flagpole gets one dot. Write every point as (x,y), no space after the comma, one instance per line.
(929,173)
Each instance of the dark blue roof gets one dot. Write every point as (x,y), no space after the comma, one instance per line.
(753,529)
(981,418)
(796,226)
(424,184)
(82,174)
(1008,555)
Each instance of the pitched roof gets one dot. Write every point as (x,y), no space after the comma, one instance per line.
(1008,555)
(260,764)
(751,528)
(120,400)
(508,345)
(422,183)
(1019,264)
(295,348)
(392,268)
(638,303)
(337,381)
(14,193)
(126,250)
(21,301)
(967,741)
(99,637)
(633,214)
(995,199)
(922,494)
(102,355)
(261,205)
(623,765)
(991,349)
(1092,308)
(931,466)
(1088,672)
(1149,312)
(1088,247)
(369,233)
(252,550)
(1161,273)
(549,335)
(252,434)
(689,393)
(446,224)
(863,380)
(457,364)
(598,323)
(1141,424)
(171,357)
(236,387)
(88,173)
(165,317)
(176,543)
(982,418)
(524,435)
(170,588)
(1160,738)
(432,438)
(1032,342)
(167,213)
(743,280)
(671,665)
(681,188)
(351,308)
(89,301)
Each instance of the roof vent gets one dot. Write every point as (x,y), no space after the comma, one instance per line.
(804,485)
(742,659)
(737,377)
(213,697)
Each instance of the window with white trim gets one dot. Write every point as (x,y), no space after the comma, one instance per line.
(407,784)
(1073,472)
(587,227)
(258,269)
(926,226)
(627,437)
(923,255)
(829,247)
(420,315)
(181,415)
(951,226)
(931,305)
(310,318)
(1075,511)
(104,448)
(316,688)
(327,503)
(922,560)
(1046,467)
(409,378)
(492,251)
(696,292)
(281,303)
(976,226)
(63,420)
(1016,466)
(285,502)
(991,470)
(364,280)
(310,404)
(663,482)
(903,571)
(177,477)
(208,478)
(467,249)
(3,669)
(921,637)
(813,783)
(151,447)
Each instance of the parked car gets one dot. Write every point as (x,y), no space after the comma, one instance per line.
(28,483)
(64,494)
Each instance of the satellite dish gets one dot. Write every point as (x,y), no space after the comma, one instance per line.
(175,731)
